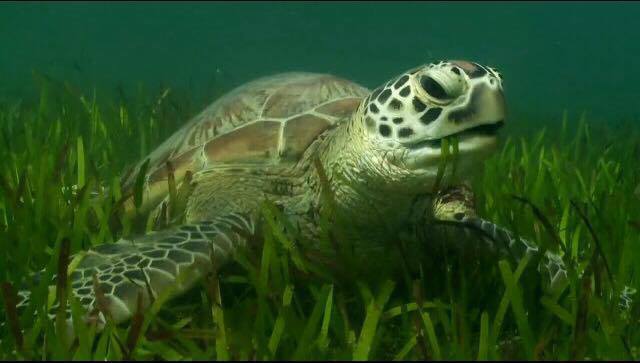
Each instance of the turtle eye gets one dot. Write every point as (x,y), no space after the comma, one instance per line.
(440,85)
(433,88)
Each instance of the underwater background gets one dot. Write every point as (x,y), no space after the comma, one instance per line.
(582,56)
(88,89)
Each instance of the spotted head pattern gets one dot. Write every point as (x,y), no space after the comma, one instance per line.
(434,101)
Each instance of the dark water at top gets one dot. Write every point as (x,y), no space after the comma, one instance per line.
(578,56)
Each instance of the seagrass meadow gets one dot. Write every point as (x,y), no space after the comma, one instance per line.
(89,89)
(570,185)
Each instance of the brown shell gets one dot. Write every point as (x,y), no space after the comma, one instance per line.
(267,121)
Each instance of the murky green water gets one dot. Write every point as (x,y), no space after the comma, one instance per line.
(579,56)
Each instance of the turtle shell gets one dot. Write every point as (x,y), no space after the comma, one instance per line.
(271,120)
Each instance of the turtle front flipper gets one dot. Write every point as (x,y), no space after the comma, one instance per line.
(164,263)
(455,206)
(519,247)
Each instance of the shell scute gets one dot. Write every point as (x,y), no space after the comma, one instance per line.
(181,164)
(340,108)
(251,143)
(300,132)
(305,94)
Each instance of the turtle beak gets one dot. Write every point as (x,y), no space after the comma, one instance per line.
(487,103)
(487,106)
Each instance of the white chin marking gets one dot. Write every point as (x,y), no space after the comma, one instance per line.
(469,146)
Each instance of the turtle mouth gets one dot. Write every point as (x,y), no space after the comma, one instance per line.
(480,130)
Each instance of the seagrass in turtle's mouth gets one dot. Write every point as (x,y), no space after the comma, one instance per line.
(474,144)
(490,129)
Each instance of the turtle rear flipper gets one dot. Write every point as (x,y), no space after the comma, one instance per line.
(165,263)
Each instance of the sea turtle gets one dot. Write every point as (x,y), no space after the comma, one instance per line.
(293,139)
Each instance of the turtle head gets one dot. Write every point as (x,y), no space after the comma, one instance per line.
(409,117)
